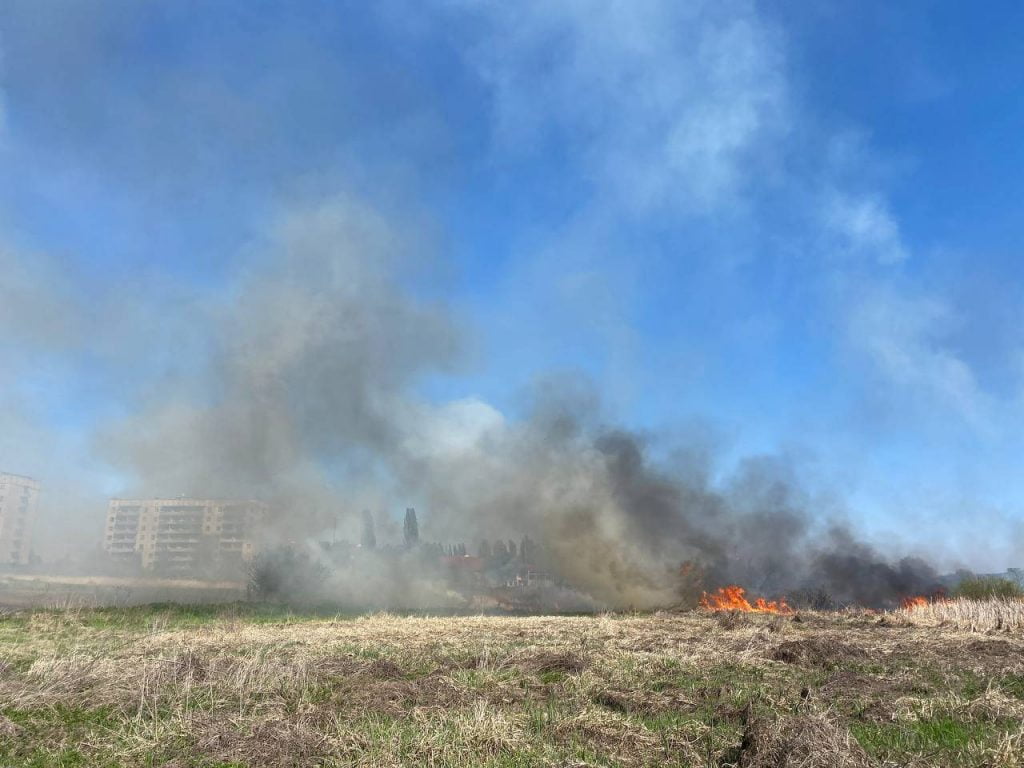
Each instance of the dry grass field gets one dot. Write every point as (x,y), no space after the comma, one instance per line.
(993,615)
(250,686)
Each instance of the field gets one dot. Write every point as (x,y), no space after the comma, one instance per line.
(23,590)
(247,685)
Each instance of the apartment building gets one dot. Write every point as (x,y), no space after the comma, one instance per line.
(19,497)
(184,535)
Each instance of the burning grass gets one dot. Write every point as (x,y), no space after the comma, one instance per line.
(733,598)
(181,688)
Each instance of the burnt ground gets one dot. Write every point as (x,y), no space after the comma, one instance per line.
(235,687)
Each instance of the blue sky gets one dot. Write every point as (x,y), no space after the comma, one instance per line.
(797,228)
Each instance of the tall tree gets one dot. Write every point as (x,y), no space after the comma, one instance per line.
(500,552)
(369,538)
(411,528)
(527,550)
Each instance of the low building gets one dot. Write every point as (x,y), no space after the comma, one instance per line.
(184,535)
(19,498)
(528,576)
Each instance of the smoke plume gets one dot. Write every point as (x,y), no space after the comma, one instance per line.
(308,396)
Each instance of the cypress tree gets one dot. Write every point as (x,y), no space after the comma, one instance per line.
(369,538)
(411,528)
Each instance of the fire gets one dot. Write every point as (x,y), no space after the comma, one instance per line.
(918,601)
(913,602)
(732,598)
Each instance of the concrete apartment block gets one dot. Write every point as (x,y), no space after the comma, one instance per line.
(182,535)
(19,498)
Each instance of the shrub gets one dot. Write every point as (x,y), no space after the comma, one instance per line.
(285,574)
(812,599)
(987,588)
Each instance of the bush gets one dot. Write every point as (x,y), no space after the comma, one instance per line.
(811,599)
(987,588)
(286,574)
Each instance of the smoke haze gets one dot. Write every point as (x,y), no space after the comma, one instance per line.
(494,274)
(306,395)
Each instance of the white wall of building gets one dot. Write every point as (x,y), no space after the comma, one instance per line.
(19,501)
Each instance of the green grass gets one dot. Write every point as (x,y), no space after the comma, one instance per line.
(61,715)
(944,739)
(48,735)
(184,616)
(1013,685)
(165,616)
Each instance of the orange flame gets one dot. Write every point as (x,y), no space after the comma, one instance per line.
(917,601)
(732,598)
(913,602)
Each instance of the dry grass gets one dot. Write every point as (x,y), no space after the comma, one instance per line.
(996,614)
(802,741)
(165,687)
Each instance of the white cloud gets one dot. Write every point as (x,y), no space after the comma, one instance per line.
(865,227)
(660,102)
(679,108)
(905,340)
(451,429)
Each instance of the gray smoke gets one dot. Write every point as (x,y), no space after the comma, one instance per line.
(303,394)
(299,382)
(307,397)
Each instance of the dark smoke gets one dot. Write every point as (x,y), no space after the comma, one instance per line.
(852,571)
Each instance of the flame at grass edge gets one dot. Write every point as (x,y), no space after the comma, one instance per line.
(733,598)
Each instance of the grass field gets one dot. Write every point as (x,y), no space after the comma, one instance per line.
(25,590)
(257,686)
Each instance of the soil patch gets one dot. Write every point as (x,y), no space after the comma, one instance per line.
(817,652)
